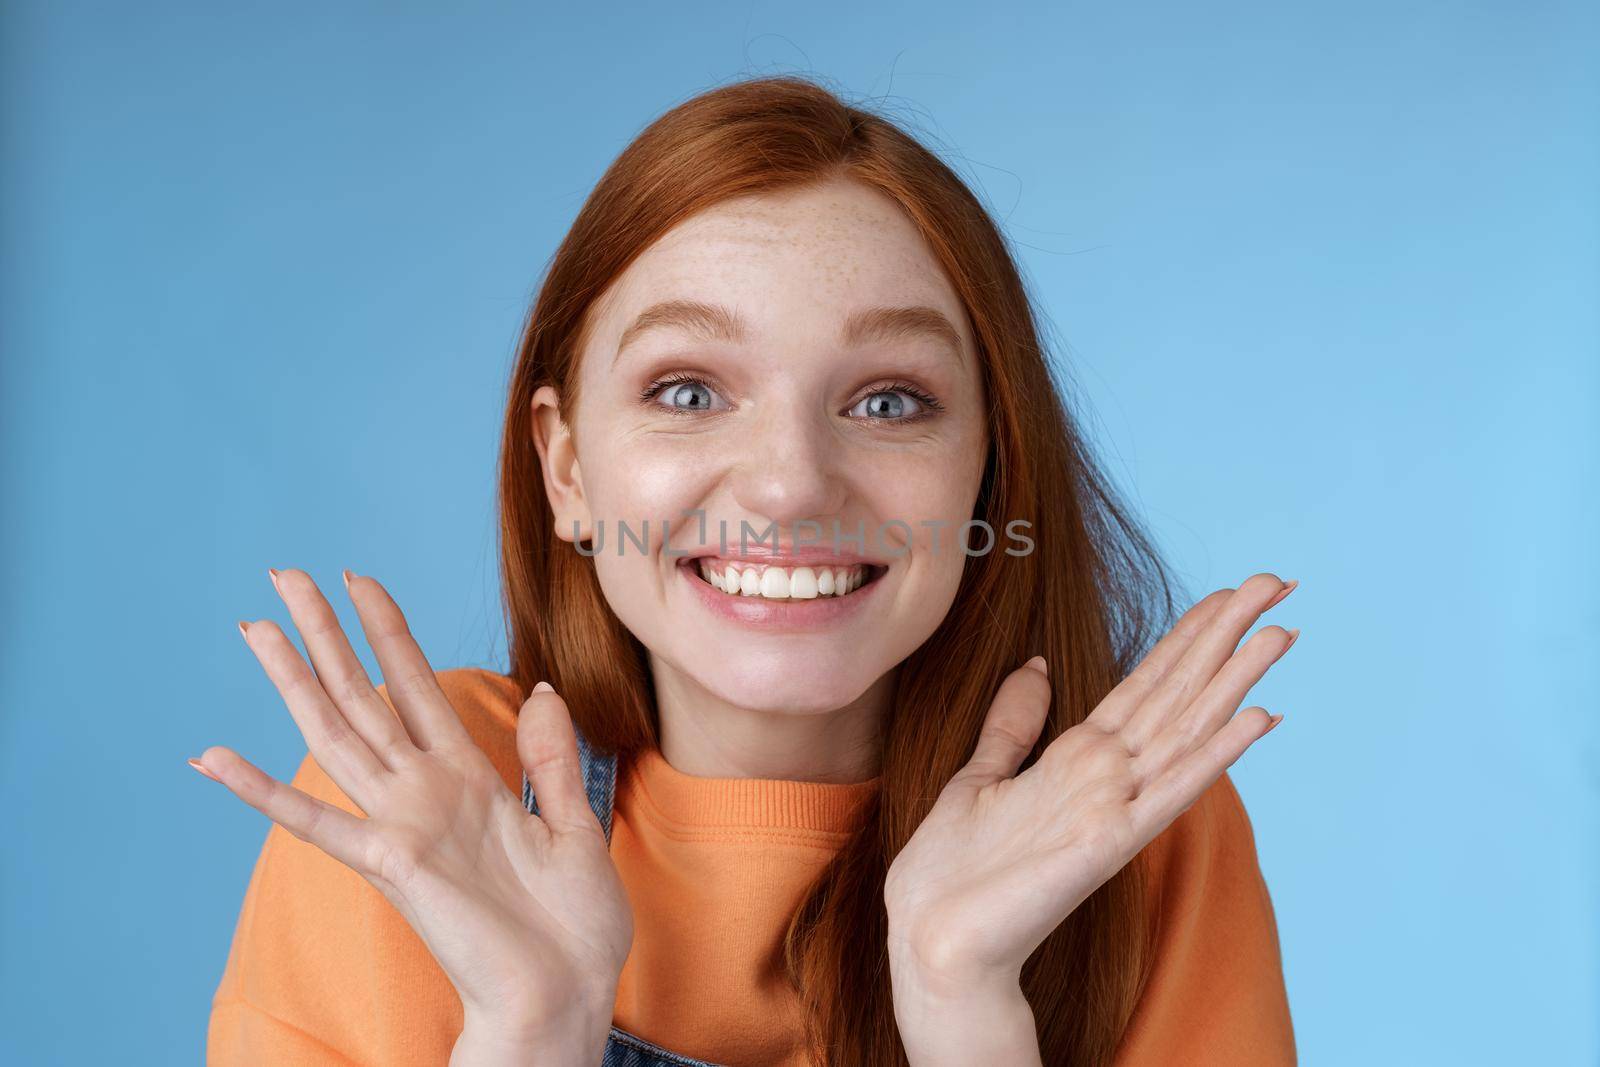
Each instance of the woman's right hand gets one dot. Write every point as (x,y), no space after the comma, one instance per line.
(524,913)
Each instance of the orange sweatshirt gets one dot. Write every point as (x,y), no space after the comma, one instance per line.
(323,970)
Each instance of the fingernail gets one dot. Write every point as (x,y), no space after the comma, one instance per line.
(272,572)
(1276,719)
(1038,664)
(347,577)
(544,687)
(199,767)
(243,626)
(1288,588)
(1294,635)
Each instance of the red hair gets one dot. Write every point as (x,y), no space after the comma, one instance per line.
(1089,597)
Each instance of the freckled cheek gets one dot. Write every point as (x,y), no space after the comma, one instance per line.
(638,482)
(934,507)
(647,480)
(935,496)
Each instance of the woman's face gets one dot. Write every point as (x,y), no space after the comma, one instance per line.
(795,369)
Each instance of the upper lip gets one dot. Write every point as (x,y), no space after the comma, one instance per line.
(784,554)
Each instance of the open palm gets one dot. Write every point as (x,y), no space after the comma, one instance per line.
(1002,858)
(525,914)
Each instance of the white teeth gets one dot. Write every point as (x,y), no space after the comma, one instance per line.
(781,583)
(803,584)
(775,584)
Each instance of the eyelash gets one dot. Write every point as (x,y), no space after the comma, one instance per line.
(660,385)
(930,403)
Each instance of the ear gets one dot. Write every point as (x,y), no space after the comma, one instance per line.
(558,460)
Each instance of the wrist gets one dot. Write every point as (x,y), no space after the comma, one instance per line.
(577,1037)
(950,1012)
(945,1021)
(926,956)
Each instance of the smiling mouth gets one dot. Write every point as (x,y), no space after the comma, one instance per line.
(764,581)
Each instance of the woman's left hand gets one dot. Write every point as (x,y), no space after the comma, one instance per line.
(1003,858)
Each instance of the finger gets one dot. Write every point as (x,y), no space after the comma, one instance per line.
(1114,711)
(1013,724)
(338,833)
(334,744)
(547,744)
(336,664)
(1164,799)
(428,715)
(1212,709)
(1200,662)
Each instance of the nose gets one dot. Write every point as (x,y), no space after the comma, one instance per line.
(790,468)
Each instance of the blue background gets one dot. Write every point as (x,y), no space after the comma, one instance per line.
(1326,278)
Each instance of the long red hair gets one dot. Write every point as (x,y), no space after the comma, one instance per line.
(1089,597)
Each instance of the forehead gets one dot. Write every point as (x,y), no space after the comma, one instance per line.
(814,250)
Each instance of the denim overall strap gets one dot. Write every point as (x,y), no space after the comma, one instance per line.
(599,782)
(600,785)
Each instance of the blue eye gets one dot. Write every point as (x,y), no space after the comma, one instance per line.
(886,405)
(691,395)
(900,403)
(683,395)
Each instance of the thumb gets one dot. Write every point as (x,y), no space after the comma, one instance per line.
(1013,725)
(547,744)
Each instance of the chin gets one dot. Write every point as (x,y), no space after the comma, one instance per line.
(787,686)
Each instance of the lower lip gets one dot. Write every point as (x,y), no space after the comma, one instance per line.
(758,611)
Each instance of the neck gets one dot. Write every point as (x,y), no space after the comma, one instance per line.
(705,736)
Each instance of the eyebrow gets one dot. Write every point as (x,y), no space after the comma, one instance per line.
(713,322)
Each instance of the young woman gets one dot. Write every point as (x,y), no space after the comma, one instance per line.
(832,731)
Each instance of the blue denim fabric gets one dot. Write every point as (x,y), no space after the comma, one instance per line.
(600,785)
